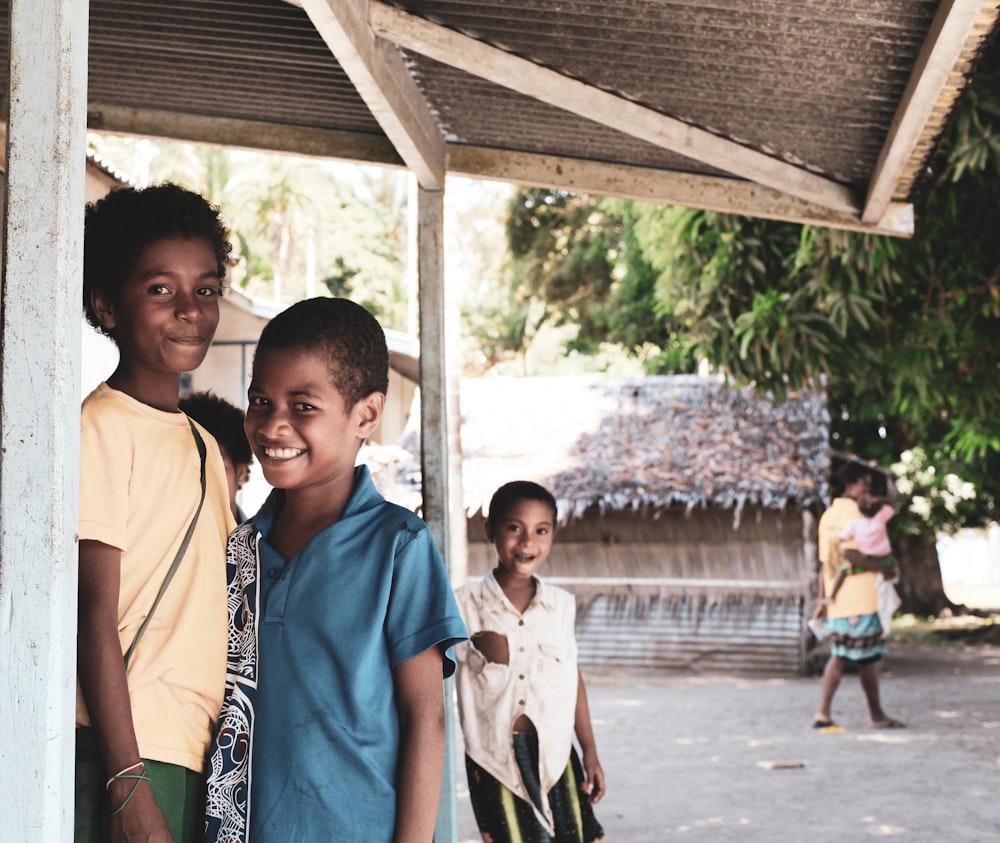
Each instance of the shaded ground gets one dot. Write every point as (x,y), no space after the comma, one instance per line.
(717,758)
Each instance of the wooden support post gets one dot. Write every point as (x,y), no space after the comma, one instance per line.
(440,455)
(40,297)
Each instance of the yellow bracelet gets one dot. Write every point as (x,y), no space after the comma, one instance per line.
(120,773)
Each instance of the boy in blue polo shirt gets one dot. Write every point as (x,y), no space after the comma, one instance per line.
(341,611)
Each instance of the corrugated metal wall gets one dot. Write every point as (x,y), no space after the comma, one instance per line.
(687,630)
(684,590)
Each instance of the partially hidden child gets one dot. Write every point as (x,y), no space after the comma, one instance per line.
(154,517)
(341,610)
(521,694)
(225,422)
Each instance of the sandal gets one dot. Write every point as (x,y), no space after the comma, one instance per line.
(891,723)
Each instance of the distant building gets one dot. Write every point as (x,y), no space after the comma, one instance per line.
(688,509)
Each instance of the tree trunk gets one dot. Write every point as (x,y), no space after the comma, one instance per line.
(921,588)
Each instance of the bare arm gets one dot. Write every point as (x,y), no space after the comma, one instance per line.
(838,582)
(420,702)
(857,558)
(105,690)
(594,783)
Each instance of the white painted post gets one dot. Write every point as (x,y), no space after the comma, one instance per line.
(40,296)
(440,478)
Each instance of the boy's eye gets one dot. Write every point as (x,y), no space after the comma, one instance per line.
(301,406)
(256,401)
(159,290)
(210,292)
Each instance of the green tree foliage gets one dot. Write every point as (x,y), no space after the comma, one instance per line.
(902,334)
(573,261)
(905,333)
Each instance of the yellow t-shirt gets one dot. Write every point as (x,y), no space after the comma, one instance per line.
(857,594)
(140,481)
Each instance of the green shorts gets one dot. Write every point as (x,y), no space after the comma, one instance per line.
(179,792)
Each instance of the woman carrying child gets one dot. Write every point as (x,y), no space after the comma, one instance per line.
(521,695)
(857,634)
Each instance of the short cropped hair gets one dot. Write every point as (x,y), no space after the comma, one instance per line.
(518,490)
(223,420)
(120,226)
(348,336)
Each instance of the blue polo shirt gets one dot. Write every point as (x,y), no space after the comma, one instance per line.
(365,595)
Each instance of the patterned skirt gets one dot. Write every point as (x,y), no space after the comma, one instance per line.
(859,639)
(504,818)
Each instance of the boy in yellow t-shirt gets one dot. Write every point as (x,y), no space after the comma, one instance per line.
(154,269)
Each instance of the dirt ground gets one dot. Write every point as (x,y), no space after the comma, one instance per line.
(693,757)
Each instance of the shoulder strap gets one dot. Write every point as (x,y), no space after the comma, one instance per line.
(180,551)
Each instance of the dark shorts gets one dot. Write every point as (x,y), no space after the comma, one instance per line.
(506,818)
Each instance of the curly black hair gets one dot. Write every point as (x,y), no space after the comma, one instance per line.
(848,473)
(121,225)
(223,420)
(518,490)
(348,335)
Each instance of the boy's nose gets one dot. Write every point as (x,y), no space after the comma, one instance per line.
(189,307)
(271,425)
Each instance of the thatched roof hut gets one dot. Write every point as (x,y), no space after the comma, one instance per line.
(642,444)
(687,508)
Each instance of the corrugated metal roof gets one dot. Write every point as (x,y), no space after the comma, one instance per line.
(783,77)
(805,107)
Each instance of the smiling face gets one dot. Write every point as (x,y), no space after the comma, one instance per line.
(163,318)
(523,539)
(301,432)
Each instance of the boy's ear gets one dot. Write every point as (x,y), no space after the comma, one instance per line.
(369,413)
(488,531)
(104,308)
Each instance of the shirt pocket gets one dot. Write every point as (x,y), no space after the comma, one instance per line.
(554,660)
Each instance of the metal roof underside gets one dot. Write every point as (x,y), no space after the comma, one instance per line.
(807,110)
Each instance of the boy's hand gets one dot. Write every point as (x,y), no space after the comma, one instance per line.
(593,785)
(141,820)
(492,645)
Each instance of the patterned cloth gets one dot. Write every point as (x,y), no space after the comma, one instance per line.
(859,639)
(504,818)
(227,809)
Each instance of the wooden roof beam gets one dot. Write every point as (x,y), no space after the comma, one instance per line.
(355,147)
(731,196)
(465,53)
(945,42)
(376,69)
